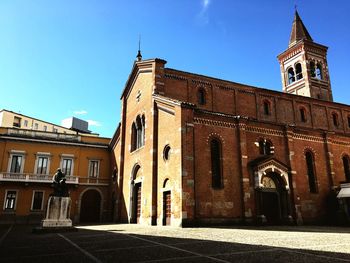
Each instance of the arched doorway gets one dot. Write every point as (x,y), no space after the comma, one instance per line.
(270,199)
(272,193)
(136,204)
(135,195)
(166,220)
(167,208)
(90,207)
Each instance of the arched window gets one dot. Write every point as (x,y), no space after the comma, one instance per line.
(312,69)
(201,96)
(138,133)
(133,136)
(319,71)
(348,121)
(136,172)
(335,119)
(143,126)
(166,182)
(265,147)
(302,114)
(346,165)
(311,171)
(216,170)
(267,107)
(291,76)
(166,152)
(298,71)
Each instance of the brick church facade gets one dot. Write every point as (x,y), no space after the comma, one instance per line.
(192,149)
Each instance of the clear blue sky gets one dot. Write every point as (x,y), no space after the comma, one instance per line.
(59,58)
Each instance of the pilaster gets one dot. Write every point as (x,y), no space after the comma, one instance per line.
(247,191)
(294,193)
(328,147)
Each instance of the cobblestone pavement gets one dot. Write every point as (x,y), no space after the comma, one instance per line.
(134,243)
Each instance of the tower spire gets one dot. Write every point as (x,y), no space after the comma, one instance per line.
(299,30)
(139,56)
(304,65)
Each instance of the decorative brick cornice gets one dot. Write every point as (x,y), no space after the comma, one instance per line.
(344,143)
(246,91)
(173,76)
(308,137)
(224,87)
(291,53)
(202,82)
(265,131)
(315,50)
(214,123)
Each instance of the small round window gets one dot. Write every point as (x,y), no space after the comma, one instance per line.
(166,153)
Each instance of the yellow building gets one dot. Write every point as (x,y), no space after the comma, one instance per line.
(30,157)
(10,119)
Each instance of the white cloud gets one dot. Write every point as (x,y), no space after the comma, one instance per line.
(205,4)
(94,123)
(203,17)
(80,112)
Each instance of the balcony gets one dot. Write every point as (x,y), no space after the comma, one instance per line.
(43,178)
(34,178)
(93,181)
(43,135)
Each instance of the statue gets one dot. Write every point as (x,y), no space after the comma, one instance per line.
(58,205)
(59,184)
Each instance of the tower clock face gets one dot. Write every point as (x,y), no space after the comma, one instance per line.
(268,182)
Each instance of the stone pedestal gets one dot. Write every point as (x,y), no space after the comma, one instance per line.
(57,214)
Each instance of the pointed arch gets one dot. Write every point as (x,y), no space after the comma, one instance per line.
(138,131)
(201,96)
(166,183)
(335,120)
(135,172)
(135,207)
(302,112)
(298,71)
(311,172)
(318,70)
(138,128)
(133,136)
(267,107)
(291,75)
(143,129)
(265,147)
(216,162)
(312,69)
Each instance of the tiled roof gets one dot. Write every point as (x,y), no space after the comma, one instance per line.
(299,31)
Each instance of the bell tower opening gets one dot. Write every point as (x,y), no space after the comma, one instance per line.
(304,68)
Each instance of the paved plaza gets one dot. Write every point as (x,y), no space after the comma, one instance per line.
(134,243)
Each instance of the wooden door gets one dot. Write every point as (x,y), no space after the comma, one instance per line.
(90,207)
(138,202)
(271,207)
(166,208)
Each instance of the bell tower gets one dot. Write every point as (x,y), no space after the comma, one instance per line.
(304,66)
